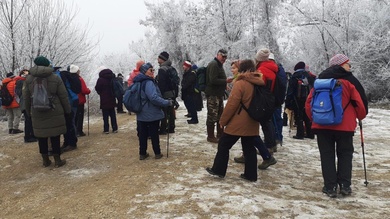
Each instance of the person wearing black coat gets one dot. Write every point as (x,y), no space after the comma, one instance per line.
(188,92)
(107,99)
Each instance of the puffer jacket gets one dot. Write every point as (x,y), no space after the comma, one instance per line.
(355,110)
(84,91)
(11,84)
(151,94)
(236,120)
(50,123)
(104,89)
(269,69)
(215,79)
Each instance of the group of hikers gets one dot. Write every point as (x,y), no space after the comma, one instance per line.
(225,124)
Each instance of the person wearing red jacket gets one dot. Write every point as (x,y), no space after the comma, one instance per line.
(338,139)
(80,108)
(269,69)
(13,110)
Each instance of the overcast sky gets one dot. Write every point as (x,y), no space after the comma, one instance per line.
(115,21)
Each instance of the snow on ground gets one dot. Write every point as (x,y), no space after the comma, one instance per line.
(289,189)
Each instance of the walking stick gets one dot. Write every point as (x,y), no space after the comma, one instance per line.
(168,128)
(88,113)
(364,158)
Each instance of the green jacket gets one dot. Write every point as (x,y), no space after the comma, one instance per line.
(50,123)
(215,79)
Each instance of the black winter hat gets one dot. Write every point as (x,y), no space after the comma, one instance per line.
(299,65)
(41,61)
(164,56)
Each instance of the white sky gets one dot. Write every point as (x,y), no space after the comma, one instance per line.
(115,21)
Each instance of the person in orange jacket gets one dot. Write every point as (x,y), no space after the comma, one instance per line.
(13,110)
(337,140)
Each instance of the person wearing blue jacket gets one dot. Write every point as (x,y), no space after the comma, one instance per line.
(151,114)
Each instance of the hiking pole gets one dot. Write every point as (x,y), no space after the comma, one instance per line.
(88,113)
(169,108)
(364,158)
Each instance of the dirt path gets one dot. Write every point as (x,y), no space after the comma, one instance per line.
(104,178)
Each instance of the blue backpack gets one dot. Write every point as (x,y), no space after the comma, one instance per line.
(326,104)
(132,98)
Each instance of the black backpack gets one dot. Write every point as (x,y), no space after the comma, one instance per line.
(262,105)
(6,97)
(201,79)
(280,86)
(117,88)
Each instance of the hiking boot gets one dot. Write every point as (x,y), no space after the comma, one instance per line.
(192,121)
(309,136)
(242,176)
(57,161)
(212,140)
(211,171)
(81,134)
(28,140)
(68,148)
(16,131)
(345,190)
(158,156)
(330,192)
(266,163)
(46,160)
(188,115)
(143,157)
(115,131)
(298,137)
(240,159)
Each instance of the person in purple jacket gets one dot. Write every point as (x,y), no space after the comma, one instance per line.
(107,100)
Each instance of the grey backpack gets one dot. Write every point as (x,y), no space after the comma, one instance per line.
(41,99)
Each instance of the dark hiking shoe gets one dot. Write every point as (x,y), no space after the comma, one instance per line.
(209,170)
(345,190)
(158,156)
(266,163)
(57,161)
(121,112)
(242,176)
(16,131)
(171,131)
(212,140)
(298,137)
(143,157)
(240,159)
(46,160)
(330,192)
(115,131)
(28,140)
(309,136)
(68,148)
(81,134)
(192,121)
(188,115)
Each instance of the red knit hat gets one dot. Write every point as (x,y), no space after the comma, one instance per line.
(338,59)
(187,64)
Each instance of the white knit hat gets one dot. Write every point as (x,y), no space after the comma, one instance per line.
(73,69)
(262,55)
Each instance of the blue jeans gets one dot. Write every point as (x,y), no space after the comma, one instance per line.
(278,123)
(259,144)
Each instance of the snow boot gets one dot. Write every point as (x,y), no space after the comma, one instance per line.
(210,134)
(46,160)
(58,161)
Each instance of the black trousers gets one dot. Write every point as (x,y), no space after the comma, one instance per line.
(109,113)
(146,129)
(28,129)
(221,159)
(331,145)
(79,118)
(300,118)
(44,145)
(169,117)
(269,133)
(119,106)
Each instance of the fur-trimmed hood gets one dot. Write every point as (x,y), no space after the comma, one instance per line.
(252,77)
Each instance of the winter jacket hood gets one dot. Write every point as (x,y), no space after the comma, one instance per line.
(104,88)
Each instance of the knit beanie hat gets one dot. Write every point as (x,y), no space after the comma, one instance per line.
(73,69)
(187,64)
(271,56)
(144,68)
(262,55)
(164,56)
(299,65)
(41,61)
(338,59)
(10,75)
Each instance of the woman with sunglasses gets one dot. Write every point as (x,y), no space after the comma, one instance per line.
(151,114)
